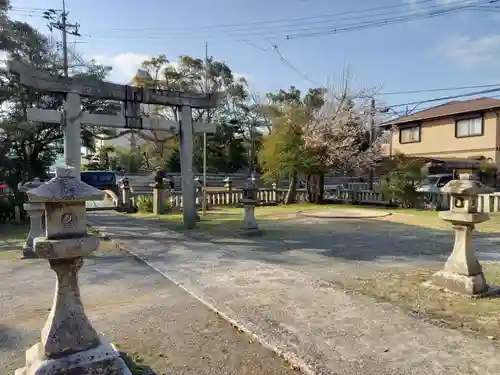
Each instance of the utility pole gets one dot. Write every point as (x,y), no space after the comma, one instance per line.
(59,20)
(372,137)
(204,192)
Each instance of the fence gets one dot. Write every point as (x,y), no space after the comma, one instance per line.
(353,195)
(139,182)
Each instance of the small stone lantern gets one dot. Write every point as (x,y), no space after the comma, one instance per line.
(198,194)
(35,212)
(158,193)
(198,186)
(462,272)
(228,184)
(250,226)
(275,193)
(69,344)
(126,204)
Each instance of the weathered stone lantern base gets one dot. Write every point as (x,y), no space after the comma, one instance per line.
(250,226)
(101,360)
(468,285)
(462,272)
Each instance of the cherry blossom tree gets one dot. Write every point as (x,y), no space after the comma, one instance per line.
(340,136)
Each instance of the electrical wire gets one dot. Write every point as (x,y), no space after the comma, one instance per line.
(439,89)
(450,97)
(302,29)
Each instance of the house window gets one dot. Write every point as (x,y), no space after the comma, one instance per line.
(409,134)
(469,127)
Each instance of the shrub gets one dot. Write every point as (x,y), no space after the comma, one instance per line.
(401,176)
(7,209)
(168,206)
(144,203)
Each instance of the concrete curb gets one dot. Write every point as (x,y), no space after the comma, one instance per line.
(332,215)
(292,359)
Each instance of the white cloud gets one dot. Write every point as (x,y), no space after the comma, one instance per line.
(469,53)
(124,65)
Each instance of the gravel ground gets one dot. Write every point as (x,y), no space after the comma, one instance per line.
(147,316)
(281,290)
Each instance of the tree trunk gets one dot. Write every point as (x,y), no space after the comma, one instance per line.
(315,187)
(292,190)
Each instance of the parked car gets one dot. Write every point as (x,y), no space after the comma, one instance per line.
(434,182)
(102,180)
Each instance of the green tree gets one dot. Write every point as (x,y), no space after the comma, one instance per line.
(233,116)
(401,176)
(284,152)
(33,146)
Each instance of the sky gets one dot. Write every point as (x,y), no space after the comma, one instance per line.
(458,49)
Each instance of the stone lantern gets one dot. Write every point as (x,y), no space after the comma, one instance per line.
(462,272)
(69,344)
(158,193)
(198,185)
(198,194)
(35,212)
(126,201)
(275,193)
(228,184)
(250,226)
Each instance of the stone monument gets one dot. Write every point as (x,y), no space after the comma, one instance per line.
(69,344)
(462,272)
(158,194)
(126,204)
(250,226)
(228,184)
(198,195)
(35,212)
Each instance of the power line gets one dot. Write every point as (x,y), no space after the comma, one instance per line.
(384,22)
(308,28)
(287,63)
(438,89)
(447,98)
(274,23)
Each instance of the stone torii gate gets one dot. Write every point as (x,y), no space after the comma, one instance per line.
(132,97)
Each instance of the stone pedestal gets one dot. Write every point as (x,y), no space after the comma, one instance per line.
(35,212)
(158,201)
(69,345)
(126,204)
(158,194)
(228,184)
(462,272)
(250,226)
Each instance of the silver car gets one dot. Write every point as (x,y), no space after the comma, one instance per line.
(434,182)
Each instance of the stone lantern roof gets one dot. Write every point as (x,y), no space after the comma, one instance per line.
(66,186)
(467,186)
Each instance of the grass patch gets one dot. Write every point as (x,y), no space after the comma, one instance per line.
(227,221)
(420,218)
(431,219)
(12,237)
(405,289)
(136,365)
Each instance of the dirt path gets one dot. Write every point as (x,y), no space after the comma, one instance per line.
(284,294)
(147,316)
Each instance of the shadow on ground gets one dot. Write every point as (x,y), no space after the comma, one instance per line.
(135,365)
(9,337)
(352,240)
